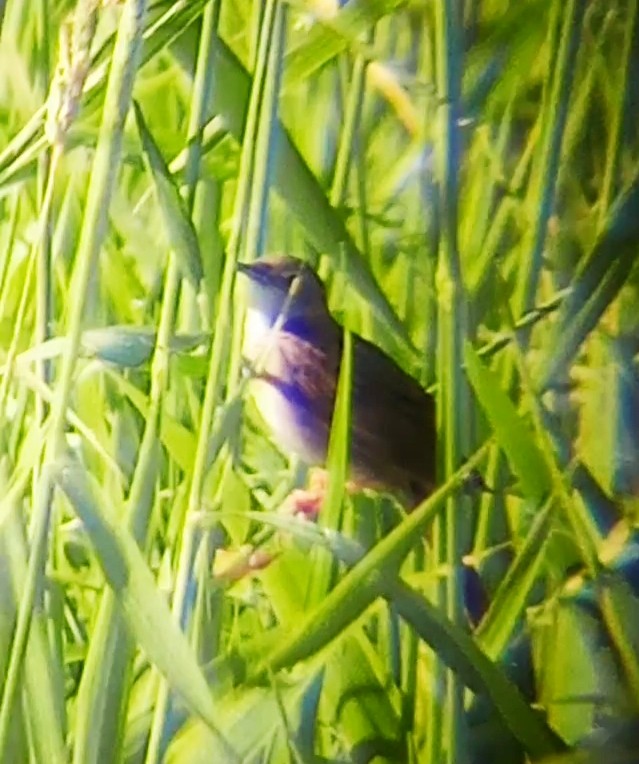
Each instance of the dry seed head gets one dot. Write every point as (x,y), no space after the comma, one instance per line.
(74,60)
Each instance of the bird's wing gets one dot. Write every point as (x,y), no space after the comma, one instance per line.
(306,374)
(394,427)
(297,401)
(310,368)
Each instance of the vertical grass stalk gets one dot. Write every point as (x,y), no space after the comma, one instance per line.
(200,100)
(453,390)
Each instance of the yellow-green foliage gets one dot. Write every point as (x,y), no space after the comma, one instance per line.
(464,176)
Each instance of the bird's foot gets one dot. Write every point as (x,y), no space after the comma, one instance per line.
(305,502)
(308,501)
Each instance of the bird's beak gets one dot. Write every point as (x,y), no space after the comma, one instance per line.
(253,271)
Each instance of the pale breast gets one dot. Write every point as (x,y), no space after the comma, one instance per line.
(256,333)
(283,420)
(285,389)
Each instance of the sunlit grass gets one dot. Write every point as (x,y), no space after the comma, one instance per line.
(467,189)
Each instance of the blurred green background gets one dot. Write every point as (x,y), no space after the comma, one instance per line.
(464,175)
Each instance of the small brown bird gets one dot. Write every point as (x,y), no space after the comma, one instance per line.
(393,419)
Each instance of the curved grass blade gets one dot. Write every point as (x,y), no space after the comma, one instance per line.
(357,590)
(145,610)
(597,283)
(337,465)
(249,717)
(179,225)
(511,597)
(330,36)
(176,438)
(514,437)
(459,651)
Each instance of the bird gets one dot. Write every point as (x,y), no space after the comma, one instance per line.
(393,419)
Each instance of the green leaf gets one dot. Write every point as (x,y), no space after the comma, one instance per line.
(510,600)
(337,465)
(250,717)
(597,283)
(513,435)
(179,226)
(330,36)
(145,610)
(458,650)
(178,440)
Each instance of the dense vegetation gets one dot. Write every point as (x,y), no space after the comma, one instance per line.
(464,175)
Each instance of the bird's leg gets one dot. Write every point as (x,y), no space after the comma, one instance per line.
(308,501)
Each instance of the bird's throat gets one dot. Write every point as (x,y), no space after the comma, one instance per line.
(257,330)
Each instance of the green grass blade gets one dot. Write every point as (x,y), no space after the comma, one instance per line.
(512,434)
(145,611)
(179,226)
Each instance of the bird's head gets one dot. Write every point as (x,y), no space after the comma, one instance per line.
(284,285)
